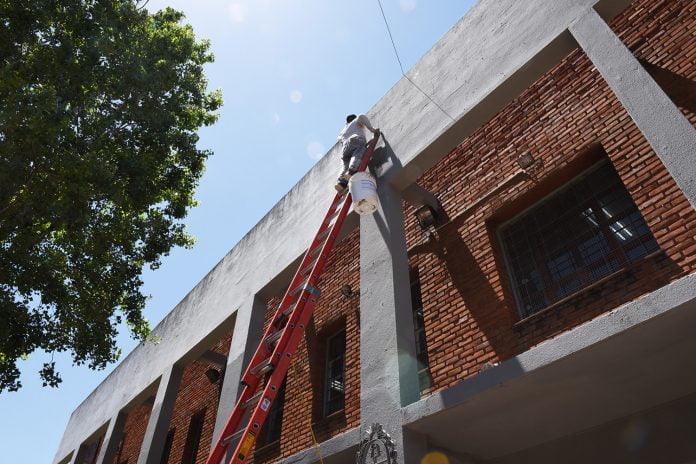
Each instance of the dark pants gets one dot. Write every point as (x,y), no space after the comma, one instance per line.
(353,150)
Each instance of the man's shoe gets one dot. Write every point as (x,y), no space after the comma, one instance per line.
(341,185)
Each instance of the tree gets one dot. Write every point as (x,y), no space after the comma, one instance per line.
(100,103)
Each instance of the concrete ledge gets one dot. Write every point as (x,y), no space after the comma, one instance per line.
(654,304)
(338,449)
(625,361)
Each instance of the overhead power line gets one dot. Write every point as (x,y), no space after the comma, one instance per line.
(401,66)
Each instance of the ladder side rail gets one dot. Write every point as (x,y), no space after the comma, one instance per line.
(262,351)
(369,152)
(327,248)
(220,448)
(249,380)
(262,409)
(297,323)
(298,277)
(304,308)
(307,295)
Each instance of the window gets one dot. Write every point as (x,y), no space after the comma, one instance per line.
(193,438)
(583,232)
(119,454)
(334,390)
(90,452)
(424,378)
(274,421)
(167,447)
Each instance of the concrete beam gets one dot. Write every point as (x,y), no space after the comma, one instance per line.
(112,438)
(388,370)
(615,365)
(246,337)
(667,130)
(214,358)
(336,450)
(158,424)
(661,434)
(417,196)
(77,456)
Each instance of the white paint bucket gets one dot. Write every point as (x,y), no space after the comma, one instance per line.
(363,187)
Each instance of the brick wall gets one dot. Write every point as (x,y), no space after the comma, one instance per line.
(566,117)
(304,387)
(134,431)
(196,394)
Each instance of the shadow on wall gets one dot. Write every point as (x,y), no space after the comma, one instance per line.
(491,316)
(680,89)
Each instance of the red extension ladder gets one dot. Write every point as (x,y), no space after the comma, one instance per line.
(282,336)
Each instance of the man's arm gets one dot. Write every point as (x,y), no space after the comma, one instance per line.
(362,120)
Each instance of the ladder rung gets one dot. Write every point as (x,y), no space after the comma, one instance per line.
(333,215)
(315,251)
(324,234)
(235,436)
(309,267)
(288,310)
(298,289)
(274,337)
(262,367)
(253,399)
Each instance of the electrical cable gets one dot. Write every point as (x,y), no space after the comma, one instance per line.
(386,23)
(309,422)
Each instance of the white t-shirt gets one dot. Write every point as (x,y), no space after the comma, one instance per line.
(356,127)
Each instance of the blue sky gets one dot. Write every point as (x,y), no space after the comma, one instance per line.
(289,70)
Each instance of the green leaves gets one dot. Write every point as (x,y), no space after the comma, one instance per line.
(100,104)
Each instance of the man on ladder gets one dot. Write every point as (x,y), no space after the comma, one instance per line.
(268,367)
(353,146)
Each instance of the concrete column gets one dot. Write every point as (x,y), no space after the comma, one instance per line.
(388,368)
(669,133)
(112,438)
(158,425)
(77,456)
(248,329)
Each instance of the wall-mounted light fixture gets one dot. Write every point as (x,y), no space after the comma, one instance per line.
(525,161)
(347,291)
(213,375)
(426,216)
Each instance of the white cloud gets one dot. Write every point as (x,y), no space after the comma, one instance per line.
(275,117)
(407,5)
(315,150)
(296,96)
(237,12)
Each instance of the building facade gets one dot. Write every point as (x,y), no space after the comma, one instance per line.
(525,292)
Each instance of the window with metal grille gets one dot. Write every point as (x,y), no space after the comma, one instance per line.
(193,438)
(424,377)
(274,421)
(334,390)
(584,231)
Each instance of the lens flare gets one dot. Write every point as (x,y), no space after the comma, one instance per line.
(435,457)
